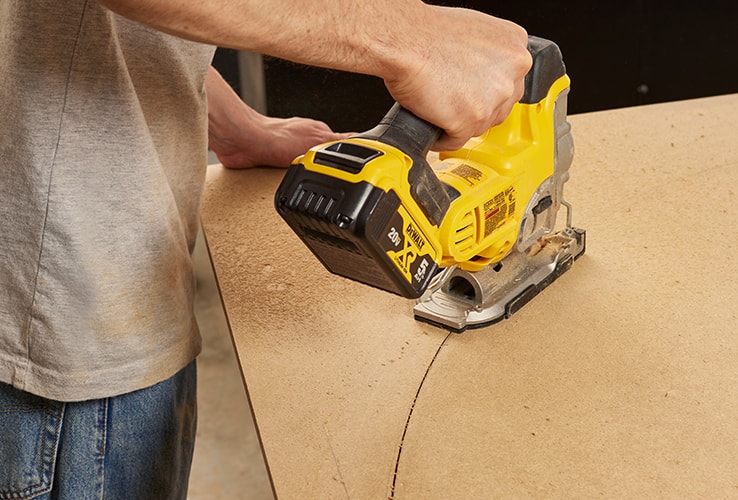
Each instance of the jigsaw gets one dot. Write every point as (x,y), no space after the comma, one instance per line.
(472,235)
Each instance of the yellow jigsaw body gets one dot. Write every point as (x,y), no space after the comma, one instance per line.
(495,175)
(462,233)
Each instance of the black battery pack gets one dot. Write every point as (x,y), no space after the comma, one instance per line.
(350,227)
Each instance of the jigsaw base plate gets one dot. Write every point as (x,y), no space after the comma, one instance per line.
(467,299)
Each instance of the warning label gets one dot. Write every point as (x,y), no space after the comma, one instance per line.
(498,210)
(468,173)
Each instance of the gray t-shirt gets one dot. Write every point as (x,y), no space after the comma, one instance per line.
(103,150)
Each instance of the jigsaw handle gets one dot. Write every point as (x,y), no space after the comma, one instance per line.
(414,136)
(407,132)
(548,66)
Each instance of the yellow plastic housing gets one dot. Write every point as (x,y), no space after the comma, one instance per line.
(495,174)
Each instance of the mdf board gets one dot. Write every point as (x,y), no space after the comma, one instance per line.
(331,367)
(621,379)
(618,380)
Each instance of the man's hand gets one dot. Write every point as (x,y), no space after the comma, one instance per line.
(243,138)
(469,75)
(272,142)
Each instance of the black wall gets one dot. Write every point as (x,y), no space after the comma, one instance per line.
(617,54)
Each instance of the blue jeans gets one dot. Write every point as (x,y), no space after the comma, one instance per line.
(133,446)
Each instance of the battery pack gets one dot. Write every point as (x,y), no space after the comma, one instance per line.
(356,230)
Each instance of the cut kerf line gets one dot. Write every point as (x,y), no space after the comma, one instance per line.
(410,414)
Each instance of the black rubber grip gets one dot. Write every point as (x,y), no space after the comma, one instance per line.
(548,66)
(414,136)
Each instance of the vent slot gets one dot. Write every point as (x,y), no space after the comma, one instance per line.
(311,202)
(465,236)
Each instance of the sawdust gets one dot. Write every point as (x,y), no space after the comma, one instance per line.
(551,243)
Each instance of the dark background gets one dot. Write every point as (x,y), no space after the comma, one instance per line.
(617,54)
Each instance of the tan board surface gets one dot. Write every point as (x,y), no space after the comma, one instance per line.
(332,367)
(620,379)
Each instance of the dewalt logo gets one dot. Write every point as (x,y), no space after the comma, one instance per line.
(415,236)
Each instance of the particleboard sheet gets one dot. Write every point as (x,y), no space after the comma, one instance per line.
(331,366)
(619,380)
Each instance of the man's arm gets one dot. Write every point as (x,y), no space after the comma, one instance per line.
(460,69)
(242,137)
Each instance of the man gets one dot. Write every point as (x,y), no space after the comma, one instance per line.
(108,107)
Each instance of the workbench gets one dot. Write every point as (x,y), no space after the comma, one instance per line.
(619,380)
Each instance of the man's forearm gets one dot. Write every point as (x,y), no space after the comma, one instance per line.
(459,69)
(367,37)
